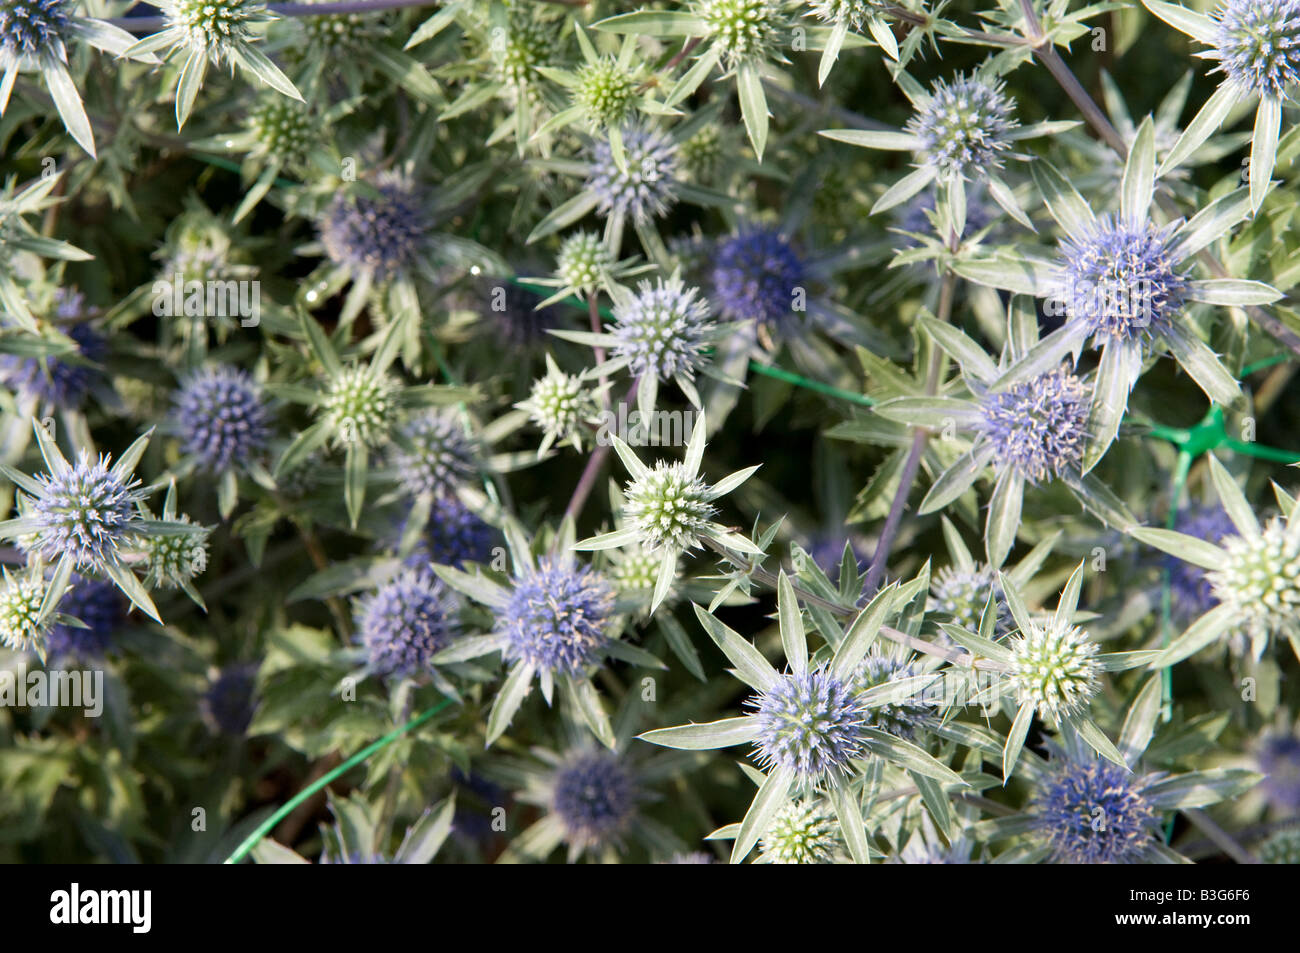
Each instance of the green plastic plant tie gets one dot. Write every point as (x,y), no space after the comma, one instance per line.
(269,824)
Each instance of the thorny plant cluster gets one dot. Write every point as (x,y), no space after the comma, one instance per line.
(749,430)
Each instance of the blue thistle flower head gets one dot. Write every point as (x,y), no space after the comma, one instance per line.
(557,616)
(228,703)
(1279,761)
(57,381)
(1038,426)
(1193,595)
(810,723)
(31,27)
(903,718)
(755,274)
(964,127)
(97,603)
(405,623)
(1121,281)
(1093,813)
(595,797)
(457,535)
(223,418)
(432,455)
(84,511)
(662,329)
(1258,45)
(646,188)
(380,236)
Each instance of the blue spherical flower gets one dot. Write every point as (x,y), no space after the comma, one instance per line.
(755,276)
(223,418)
(594,797)
(645,187)
(405,623)
(432,455)
(57,381)
(1093,813)
(556,617)
(662,330)
(1037,426)
(1258,45)
(30,27)
(964,127)
(456,535)
(1279,761)
(97,603)
(902,718)
(1121,282)
(83,511)
(227,705)
(1193,595)
(377,235)
(810,723)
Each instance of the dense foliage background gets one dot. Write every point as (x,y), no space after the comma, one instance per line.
(461,240)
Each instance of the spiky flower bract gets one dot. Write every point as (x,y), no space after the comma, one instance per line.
(557,617)
(663,329)
(584,261)
(1054,668)
(223,417)
(1192,593)
(810,723)
(84,512)
(743,30)
(432,455)
(360,406)
(1038,426)
(404,623)
(963,127)
(1121,281)
(756,276)
(803,832)
(21,597)
(1258,45)
(594,796)
(97,604)
(173,561)
(379,236)
(1093,812)
(644,187)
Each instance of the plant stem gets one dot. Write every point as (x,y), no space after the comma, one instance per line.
(879,560)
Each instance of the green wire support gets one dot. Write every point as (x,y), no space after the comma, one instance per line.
(253,839)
